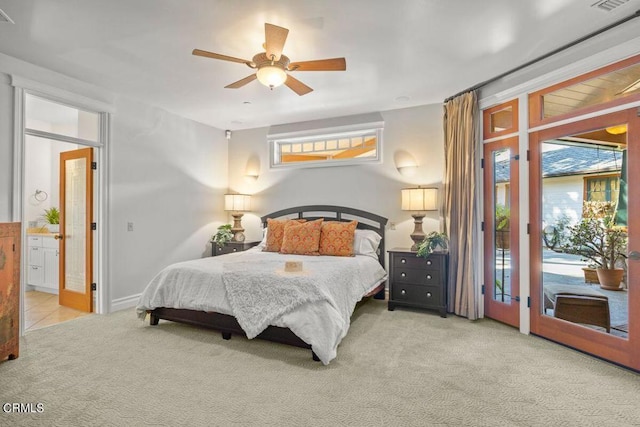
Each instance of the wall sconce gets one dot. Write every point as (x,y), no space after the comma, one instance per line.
(251,177)
(419,200)
(237,204)
(408,170)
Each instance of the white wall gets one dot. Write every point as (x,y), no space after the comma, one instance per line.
(167,176)
(42,172)
(562,196)
(411,132)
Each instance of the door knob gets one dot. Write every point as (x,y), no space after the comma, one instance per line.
(58,236)
(634,255)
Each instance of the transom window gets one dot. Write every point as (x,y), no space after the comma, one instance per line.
(328,150)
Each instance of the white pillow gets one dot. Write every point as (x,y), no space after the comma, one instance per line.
(366,243)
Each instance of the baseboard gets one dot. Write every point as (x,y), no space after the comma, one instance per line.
(124,303)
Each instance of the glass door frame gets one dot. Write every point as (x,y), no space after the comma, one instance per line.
(508,313)
(618,350)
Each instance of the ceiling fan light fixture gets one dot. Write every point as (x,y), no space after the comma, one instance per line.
(271,76)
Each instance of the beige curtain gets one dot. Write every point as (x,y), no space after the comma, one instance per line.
(462,203)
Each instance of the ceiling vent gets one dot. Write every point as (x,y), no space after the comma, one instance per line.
(608,5)
(5,18)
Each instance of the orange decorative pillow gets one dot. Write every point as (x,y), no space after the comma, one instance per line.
(301,238)
(275,233)
(336,238)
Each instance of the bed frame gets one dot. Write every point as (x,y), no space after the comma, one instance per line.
(228,325)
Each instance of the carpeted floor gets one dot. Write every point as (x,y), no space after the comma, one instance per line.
(393,368)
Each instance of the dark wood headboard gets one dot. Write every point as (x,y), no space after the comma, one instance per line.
(366,220)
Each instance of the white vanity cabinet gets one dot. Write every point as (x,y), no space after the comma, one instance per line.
(43,263)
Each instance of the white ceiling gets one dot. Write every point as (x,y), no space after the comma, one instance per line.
(399,53)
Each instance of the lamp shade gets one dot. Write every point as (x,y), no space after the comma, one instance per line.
(271,76)
(419,199)
(237,202)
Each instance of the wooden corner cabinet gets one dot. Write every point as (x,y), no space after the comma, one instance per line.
(9,290)
(231,247)
(418,282)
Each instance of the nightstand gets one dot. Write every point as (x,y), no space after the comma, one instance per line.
(418,282)
(231,247)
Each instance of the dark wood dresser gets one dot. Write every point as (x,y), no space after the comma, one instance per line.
(9,290)
(231,247)
(417,282)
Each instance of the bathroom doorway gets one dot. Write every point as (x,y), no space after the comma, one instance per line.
(57,210)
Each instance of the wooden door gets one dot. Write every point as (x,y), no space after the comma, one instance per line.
(76,216)
(617,343)
(501,284)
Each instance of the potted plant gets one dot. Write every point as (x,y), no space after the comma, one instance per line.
(52,217)
(503,214)
(223,235)
(433,242)
(597,239)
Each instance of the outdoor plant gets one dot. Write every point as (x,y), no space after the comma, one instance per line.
(223,235)
(555,235)
(52,215)
(502,215)
(431,242)
(596,238)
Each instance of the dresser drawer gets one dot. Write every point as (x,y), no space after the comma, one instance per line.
(228,250)
(428,296)
(417,277)
(413,261)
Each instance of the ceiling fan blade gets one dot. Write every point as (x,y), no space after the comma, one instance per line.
(274,40)
(241,82)
(333,64)
(297,86)
(206,54)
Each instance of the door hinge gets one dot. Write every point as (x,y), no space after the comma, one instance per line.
(14,247)
(94,165)
(94,226)
(482,226)
(528,155)
(528,228)
(529,302)
(481,163)
(482,289)
(94,287)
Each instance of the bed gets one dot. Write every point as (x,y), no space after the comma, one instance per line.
(228,292)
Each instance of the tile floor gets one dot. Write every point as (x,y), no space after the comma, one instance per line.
(42,309)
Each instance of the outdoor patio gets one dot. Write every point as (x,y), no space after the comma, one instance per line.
(566,269)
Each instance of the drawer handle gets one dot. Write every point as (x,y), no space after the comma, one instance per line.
(428,277)
(403,274)
(403,261)
(428,262)
(428,294)
(403,292)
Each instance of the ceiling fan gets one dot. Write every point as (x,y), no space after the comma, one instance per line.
(272,66)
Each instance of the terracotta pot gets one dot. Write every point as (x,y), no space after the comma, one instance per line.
(610,279)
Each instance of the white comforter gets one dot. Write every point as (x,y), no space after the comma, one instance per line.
(321,320)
